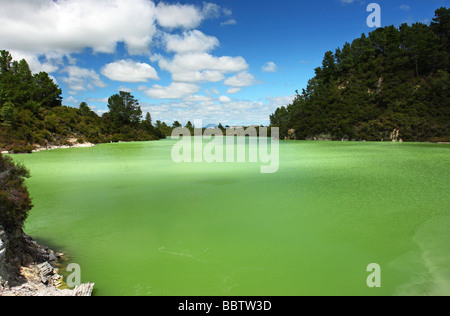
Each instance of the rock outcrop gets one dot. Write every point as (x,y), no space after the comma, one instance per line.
(31,270)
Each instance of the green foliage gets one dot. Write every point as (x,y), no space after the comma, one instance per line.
(124,110)
(15,202)
(8,113)
(393,79)
(31,113)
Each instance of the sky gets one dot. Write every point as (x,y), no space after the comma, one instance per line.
(228,61)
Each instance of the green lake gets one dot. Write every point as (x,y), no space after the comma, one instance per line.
(138,223)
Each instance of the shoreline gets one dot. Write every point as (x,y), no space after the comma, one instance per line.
(39,148)
(39,276)
(83,145)
(89,145)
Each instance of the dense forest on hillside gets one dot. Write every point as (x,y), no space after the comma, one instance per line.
(32,113)
(393,84)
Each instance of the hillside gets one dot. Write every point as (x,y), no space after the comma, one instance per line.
(32,114)
(390,85)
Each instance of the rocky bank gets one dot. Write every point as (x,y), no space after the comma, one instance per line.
(30,269)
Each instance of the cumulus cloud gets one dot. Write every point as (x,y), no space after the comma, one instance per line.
(243,79)
(71,100)
(224,99)
(51,63)
(50,33)
(190,41)
(198,76)
(210,112)
(204,61)
(174,16)
(196,67)
(81,79)
(269,67)
(68,26)
(129,71)
(176,90)
(233,90)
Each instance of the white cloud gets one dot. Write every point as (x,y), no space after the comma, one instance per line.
(243,79)
(224,99)
(51,63)
(269,67)
(56,29)
(174,16)
(204,61)
(176,90)
(276,102)
(197,67)
(125,89)
(192,41)
(97,100)
(212,10)
(81,79)
(233,90)
(227,113)
(69,26)
(198,76)
(129,71)
(197,98)
(72,101)
(229,22)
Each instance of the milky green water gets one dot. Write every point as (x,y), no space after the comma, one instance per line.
(139,224)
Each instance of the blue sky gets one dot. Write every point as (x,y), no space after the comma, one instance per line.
(229,61)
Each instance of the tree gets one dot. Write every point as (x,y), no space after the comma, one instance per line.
(5,62)
(47,93)
(176,124)
(441,27)
(328,72)
(85,110)
(124,109)
(15,202)
(189,125)
(148,118)
(147,123)
(392,79)
(8,113)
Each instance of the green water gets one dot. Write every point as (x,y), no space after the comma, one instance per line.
(139,224)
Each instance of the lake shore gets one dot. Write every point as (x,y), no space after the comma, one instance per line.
(82,145)
(34,271)
(53,147)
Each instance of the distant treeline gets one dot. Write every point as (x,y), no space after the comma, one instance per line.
(32,114)
(168,130)
(393,84)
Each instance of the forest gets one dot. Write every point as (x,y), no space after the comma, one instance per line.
(392,85)
(32,114)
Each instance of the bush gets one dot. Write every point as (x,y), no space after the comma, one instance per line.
(21,148)
(15,202)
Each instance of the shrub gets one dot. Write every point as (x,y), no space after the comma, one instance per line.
(15,202)
(21,148)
